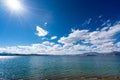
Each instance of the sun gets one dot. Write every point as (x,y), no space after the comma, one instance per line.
(14,5)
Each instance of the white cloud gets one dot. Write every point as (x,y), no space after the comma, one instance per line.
(2,49)
(41,31)
(106,23)
(48,43)
(118,44)
(77,42)
(94,37)
(43,48)
(53,37)
(105,28)
(75,36)
(45,24)
(101,40)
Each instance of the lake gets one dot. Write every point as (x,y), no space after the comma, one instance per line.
(56,67)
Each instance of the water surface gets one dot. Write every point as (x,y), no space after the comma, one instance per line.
(42,67)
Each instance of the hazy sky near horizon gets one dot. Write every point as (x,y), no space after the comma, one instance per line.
(59,26)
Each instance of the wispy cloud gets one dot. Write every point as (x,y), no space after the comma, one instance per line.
(87,22)
(106,23)
(41,31)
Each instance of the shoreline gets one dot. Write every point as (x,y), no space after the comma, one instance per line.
(66,78)
(71,78)
(84,78)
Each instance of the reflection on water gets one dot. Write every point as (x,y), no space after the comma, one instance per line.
(7,57)
(42,67)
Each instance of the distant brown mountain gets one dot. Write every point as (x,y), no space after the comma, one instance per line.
(115,53)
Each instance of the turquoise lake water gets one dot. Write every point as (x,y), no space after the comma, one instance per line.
(42,67)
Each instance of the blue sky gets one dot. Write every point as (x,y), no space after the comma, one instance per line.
(60,26)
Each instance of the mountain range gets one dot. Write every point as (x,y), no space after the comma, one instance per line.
(115,53)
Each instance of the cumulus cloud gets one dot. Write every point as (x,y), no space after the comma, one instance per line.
(43,48)
(101,40)
(41,31)
(2,50)
(48,43)
(75,36)
(77,42)
(53,37)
